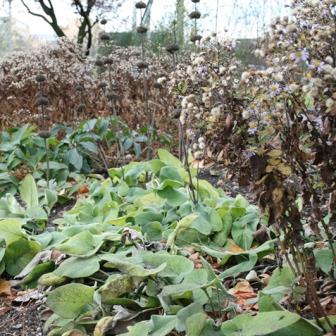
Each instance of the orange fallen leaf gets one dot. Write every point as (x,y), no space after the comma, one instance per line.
(233,247)
(243,291)
(5,288)
(83,189)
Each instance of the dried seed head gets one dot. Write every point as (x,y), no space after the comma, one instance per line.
(157,85)
(81,108)
(99,62)
(44,134)
(195,1)
(142,65)
(112,97)
(80,88)
(195,38)
(140,5)
(103,21)
(195,15)
(42,101)
(108,60)
(40,78)
(102,85)
(104,37)
(172,48)
(142,30)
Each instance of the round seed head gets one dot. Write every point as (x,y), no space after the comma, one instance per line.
(104,37)
(142,30)
(99,62)
(103,21)
(195,15)
(140,5)
(80,88)
(195,1)
(142,65)
(195,38)
(102,85)
(81,108)
(108,60)
(172,48)
(44,134)
(157,85)
(42,101)
(40,78)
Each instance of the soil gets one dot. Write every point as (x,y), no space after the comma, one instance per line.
(21,320)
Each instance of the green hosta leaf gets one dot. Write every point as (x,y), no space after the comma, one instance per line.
(83,244)
(169,159)
(185,313)
(162,325)
(69,301)
(19,253)
(28,192)
(324,259)
(177,266)
(243,266)
(140,329)
(173,196)
(244,228)
(130,268)
(75,267)
(75,158)
(276,323)
(195,324)
(11,230)
(2,248)
(115,286)
(170,173)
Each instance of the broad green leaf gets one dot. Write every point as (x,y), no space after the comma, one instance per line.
(28,192)
(185,313)
(11,230)
(169,159)
(243,266)
(115,286)
(75,158)
(173,196)
(177,266)
(324,259)
(162,325)
(19,253)
(69,301)
(75,267)
(2,248)
(195,324)
(140,329)
(273,323)
(83,244)
(130,268)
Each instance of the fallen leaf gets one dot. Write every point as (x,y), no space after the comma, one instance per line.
(83,189)
(5,288)
(233,247)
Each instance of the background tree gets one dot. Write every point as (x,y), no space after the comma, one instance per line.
(89,12)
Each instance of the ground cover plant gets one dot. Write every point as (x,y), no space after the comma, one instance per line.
(105,222)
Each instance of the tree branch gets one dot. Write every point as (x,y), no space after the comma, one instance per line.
(35,14)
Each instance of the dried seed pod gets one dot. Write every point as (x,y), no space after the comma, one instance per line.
(140,5)
(195,38)
(99,62)
(142,65)
(103,21)
(172,48)
(40,78)
(42,101)
(44,134)
(102,85)
(108,60)
(142,30)
(81,108)
(157,85)
(80,88)
(195,1)
(195,15)
(104,37)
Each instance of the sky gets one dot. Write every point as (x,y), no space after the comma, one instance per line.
(241,18)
